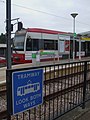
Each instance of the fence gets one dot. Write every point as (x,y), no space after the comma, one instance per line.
(65,87)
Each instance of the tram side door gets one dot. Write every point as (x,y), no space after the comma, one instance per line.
(71,49)
(28,49)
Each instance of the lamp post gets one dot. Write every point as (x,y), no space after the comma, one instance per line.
(74,15)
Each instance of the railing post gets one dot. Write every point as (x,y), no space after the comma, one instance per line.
(84,84)
(8,94)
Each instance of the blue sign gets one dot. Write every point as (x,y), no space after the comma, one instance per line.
(27,89)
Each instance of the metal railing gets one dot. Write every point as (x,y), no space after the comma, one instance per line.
(65,87)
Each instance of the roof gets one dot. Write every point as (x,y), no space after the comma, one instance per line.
(39,30)
(87,34)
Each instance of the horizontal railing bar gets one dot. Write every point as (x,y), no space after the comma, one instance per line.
(62,77)
(63,91)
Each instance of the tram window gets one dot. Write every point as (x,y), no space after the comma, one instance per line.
(41,44)
(35,45)
(1,52)
(32,44)
(18,42)
(50,45)
(29,44)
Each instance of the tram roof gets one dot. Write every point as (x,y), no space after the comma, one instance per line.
(40,30)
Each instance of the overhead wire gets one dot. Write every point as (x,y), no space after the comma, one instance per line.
(40,11)
(46,13)
(43,12)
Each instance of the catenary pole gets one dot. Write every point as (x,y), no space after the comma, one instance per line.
(8,54)
(8,33)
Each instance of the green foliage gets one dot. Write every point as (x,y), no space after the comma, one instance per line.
(2,38)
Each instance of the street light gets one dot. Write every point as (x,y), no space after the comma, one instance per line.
(74,15)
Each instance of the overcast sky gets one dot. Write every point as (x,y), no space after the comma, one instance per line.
(48,14)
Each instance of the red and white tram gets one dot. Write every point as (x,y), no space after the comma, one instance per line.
(48,44)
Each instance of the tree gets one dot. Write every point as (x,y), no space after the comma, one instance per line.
(2,39)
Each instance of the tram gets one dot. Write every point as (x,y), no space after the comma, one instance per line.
(42,44)
(45,45)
